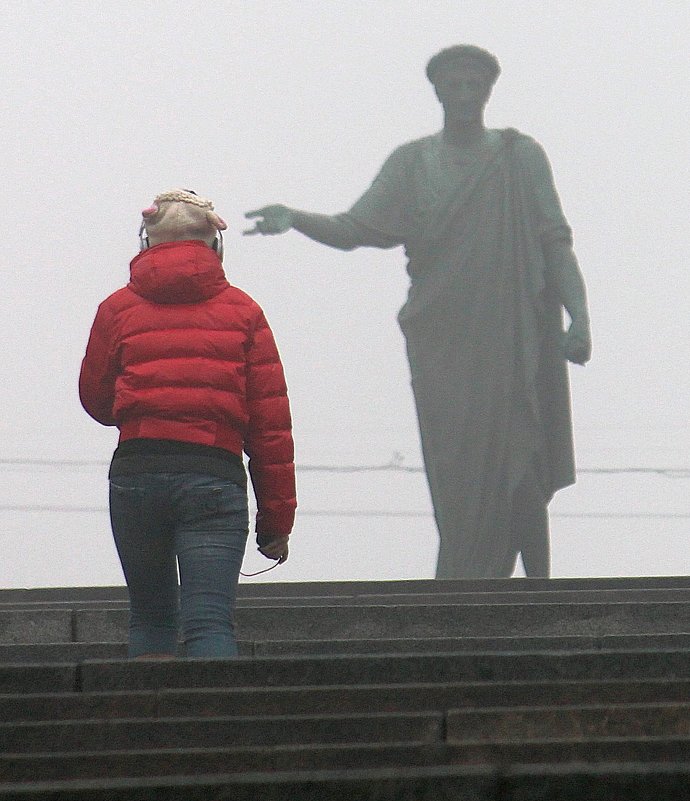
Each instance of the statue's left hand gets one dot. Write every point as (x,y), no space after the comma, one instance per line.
(577,342)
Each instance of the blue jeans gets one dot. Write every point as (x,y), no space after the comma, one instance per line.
(196,521)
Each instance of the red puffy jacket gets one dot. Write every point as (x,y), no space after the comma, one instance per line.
(181,354)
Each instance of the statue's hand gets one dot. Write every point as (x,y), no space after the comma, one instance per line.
(577,342)
(275,219)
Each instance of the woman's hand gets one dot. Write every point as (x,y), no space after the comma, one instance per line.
(273,547)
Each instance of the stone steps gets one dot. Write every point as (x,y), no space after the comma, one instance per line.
(506,724)
(332,589)
(380,669)
(360,621)
(82,651)
(497,691)
(637,781)
(65,766)
(356,699)
(214,732)
(348,669)
(646,595)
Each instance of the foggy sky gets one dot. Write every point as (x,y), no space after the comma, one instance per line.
(297,101)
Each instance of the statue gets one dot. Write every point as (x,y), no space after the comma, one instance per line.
(491,267)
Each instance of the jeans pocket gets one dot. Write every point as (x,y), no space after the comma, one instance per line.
(124,491)
(207,500)
(222,501)
(136,482)
(128,516)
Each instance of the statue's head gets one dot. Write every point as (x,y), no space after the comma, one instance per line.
(464,55)
(463,77)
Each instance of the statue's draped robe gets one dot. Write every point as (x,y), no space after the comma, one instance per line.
(483,329)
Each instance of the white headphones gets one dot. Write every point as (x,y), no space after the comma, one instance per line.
(217,245)
(144,244)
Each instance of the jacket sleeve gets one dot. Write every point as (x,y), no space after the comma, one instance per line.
(99,369)
(268,440)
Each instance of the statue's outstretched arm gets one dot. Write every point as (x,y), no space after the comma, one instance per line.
(336,231)
(339,231)
(378,219)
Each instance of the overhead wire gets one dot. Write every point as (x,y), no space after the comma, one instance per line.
(369,513)
(396,465)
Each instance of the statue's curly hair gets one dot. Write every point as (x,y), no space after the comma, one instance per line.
(485,60)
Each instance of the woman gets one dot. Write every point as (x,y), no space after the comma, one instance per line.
(185,365)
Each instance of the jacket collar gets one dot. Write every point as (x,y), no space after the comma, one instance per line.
(177,272)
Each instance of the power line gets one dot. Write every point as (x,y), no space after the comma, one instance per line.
(49,508)
(394,466)
(29,462)
(370,513)
(668,472)
(579,515)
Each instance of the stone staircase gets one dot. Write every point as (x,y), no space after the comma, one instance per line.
(501,690)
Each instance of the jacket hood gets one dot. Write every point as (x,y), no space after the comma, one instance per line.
(177,272)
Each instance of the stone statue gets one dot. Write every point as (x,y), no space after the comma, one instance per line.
(491,266)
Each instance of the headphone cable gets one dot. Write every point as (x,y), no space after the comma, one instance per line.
(259,572)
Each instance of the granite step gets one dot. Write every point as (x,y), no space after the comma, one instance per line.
(607,642)
(569,722)
(82,651)
(332,589)
(378,669)
(662,781)
(335,588)
(373,621)
(346,669)
(511,724)
(67,652)
(438,597)
(354,699)
(122,734)
(63,766)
